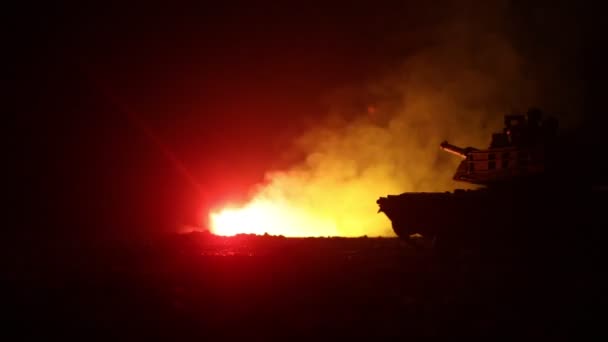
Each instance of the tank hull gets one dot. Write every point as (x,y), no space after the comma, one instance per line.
(495,219)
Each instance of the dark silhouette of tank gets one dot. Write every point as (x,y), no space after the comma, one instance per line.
(530,187)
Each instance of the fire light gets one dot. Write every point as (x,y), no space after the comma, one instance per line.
(261,217)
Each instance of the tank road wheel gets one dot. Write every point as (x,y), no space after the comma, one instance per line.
(400,229)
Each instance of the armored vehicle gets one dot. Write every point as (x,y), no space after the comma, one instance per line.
(527,187)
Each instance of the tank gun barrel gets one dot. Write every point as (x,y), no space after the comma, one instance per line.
(459,151)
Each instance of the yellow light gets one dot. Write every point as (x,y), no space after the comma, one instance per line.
(260,217)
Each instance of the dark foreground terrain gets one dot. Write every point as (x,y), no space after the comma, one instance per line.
(247,287)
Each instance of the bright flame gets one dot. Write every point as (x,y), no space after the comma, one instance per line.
(333,192)
(317,211)
(261,217)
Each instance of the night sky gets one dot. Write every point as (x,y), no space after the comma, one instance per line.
(133,119)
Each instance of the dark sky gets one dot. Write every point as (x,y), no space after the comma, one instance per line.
(103,94)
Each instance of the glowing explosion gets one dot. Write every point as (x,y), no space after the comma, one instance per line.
(261,217)
(332,192)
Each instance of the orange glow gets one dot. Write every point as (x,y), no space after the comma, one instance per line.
(260,217)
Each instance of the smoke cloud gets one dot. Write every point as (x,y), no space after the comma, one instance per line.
(383,137)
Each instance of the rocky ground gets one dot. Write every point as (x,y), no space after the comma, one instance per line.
(258,287)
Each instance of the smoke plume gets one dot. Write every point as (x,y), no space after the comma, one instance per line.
(384,138)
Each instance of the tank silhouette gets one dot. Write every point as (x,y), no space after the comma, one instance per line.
(528,188)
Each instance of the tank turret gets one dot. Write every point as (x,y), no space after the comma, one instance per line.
(515,154)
